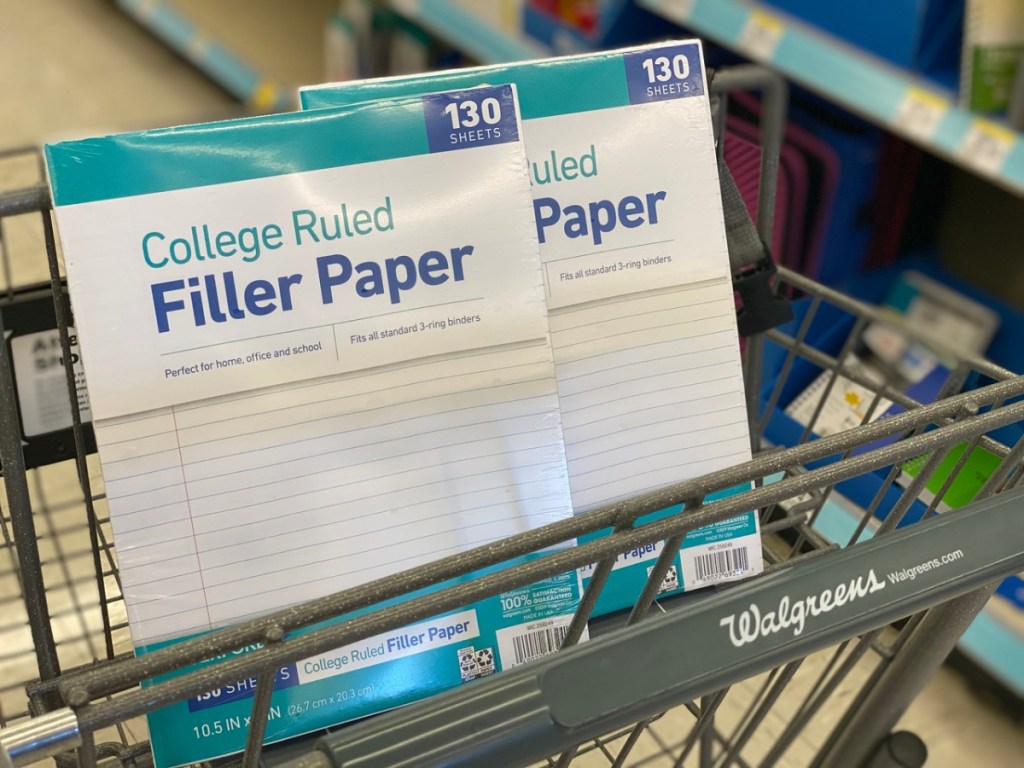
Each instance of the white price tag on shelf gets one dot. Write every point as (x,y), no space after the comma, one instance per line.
(920,113)
(761,35)
(678,10)
(987,145)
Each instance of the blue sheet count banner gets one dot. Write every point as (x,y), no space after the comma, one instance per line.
(318,354)
(628,213)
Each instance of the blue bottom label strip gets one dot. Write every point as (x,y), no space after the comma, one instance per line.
(379,673)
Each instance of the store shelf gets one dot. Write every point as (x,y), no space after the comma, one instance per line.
(994,640)
(464,28)
(219,62)
(909,106)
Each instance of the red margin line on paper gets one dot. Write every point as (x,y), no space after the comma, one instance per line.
(188,504)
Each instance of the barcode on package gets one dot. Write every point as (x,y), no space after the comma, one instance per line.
(533,645)
(717,565)
(527,642)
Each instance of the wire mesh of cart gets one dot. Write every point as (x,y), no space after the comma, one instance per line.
(824,626)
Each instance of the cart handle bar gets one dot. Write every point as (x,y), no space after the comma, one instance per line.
(79,687)
(101,714)
(631,674)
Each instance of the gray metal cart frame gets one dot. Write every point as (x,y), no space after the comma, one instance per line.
(609,690)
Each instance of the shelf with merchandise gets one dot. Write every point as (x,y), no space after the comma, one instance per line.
(232,72)
(995,640)
(905,104)
(882,93)
(464,27)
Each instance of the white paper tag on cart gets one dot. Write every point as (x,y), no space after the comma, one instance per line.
(42,392)
(42,384)
(310,369)
(628,212)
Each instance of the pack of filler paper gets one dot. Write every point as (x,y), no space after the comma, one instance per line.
(628,212)
(318,354)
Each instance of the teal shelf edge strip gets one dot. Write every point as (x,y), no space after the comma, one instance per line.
(468,32)
(988,641)
(220,64)
(856,81)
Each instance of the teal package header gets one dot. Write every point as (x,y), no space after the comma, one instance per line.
(128,164)
(548,87)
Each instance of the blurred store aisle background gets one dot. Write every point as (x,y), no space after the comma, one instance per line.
(79,67)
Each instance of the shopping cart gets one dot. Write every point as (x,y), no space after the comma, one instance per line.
(858,649)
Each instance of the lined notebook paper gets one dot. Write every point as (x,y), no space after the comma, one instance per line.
(635,413)
(367,386)
(628,212)
(293,492)
(318,354)
(629,216)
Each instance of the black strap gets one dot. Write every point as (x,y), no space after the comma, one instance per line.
(752,265)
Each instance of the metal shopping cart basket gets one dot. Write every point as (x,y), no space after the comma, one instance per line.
(824,622)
